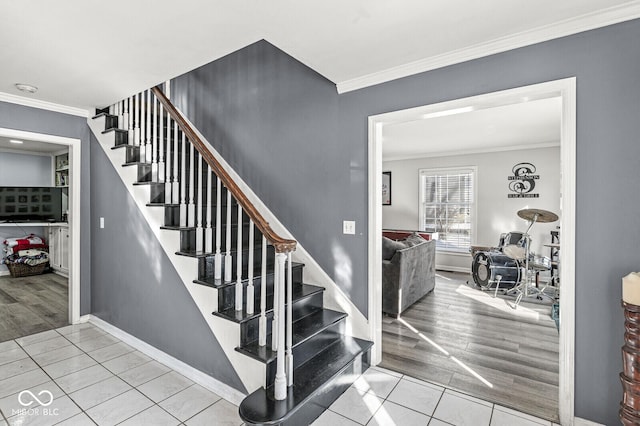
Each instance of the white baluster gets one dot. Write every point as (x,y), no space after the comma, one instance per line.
(218,258)
(125,115)
(227,257)
(130,120)
(239,287)
(136,115)
(280,383)
(183,179)
(143,129)
(250,288)
(175,184)
(161,166)
(169,173)
(199,230)
(191,208)
(289,356)
(149,149)
(262,332)
(208,232)
(154,140)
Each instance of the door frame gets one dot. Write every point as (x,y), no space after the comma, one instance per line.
(74,208)
(566,89)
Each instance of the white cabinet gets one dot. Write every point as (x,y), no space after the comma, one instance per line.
(59,248)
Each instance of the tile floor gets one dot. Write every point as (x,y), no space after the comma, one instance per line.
(88,377)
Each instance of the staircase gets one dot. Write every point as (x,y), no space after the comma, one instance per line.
(299,345)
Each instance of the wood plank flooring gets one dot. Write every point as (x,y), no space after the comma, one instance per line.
(32,304)
(463,338)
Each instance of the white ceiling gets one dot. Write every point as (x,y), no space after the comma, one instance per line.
(529,124)
(85,53)
(30,146)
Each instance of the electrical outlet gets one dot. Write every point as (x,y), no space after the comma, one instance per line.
(349,227)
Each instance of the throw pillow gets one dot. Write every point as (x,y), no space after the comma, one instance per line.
(389,247)
(414,239)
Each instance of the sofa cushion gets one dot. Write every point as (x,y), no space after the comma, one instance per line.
(389,247)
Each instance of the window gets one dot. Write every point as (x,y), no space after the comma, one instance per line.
(447,206)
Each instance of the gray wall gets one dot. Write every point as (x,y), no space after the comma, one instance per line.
(19,117)
(134,285)
(304,149)
(25,169)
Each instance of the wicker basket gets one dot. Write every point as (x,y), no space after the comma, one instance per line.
(18,270)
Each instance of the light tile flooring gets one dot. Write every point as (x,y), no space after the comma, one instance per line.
(87,377)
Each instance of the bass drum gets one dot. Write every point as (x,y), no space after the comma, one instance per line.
(488,265)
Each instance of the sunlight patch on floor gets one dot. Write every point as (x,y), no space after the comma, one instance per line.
(446,353)
(498,303)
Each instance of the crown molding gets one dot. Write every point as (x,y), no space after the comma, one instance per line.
(49,106)
(586,22)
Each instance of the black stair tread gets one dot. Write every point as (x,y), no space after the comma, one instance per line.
(149,183)
(162,205)
(137,163)
(303,329)
(115,129)
(257,270)
(124,145)
(309,379)
(300,291)
(103,114)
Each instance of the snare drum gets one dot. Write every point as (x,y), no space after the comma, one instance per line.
(542,263)
(488,265)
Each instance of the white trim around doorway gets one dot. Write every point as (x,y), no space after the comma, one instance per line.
(74,208)
(566,89)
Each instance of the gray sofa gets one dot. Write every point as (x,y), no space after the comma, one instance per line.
(408,275)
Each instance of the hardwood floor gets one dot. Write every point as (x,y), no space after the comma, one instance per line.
(463,338)
(32,304)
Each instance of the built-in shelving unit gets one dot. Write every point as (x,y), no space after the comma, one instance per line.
(62,170)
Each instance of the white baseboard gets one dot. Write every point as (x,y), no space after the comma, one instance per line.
(582,422)
(225,391)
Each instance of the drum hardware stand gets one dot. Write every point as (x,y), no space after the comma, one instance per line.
(522,289)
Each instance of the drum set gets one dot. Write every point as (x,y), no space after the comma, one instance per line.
(512,267)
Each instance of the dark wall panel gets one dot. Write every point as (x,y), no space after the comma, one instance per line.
(303,149)
(28,119)
(134,284)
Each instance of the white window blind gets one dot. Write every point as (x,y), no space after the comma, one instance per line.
(447,206)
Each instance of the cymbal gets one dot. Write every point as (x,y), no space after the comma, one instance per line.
(538,215)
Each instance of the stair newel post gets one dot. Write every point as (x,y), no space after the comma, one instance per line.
(276,312)
(199,189)
(130,117)
(262,332)
(191,208)
(161,147)
(289,356)
(208,235)
(239,287)
(148,149)
(280,383)
(227,257)
(154,139)
(175,183)
(218,258)
(183,180)
(250,289)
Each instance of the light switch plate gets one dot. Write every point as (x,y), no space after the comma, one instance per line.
(349,227)
(102,223)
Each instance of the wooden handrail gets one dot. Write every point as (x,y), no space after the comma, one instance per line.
(282,245)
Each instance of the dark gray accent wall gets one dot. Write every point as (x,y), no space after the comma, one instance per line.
(35,120)
(303,148)
(134,284)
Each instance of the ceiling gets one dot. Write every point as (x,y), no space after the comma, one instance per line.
(528,124)
(31,146)
(84,54)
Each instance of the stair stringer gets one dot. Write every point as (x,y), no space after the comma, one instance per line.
(356,324)
(251,372)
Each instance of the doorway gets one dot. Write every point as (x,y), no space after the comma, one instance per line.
(565,89)
(74,164)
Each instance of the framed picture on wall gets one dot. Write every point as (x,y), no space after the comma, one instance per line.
(386,188)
